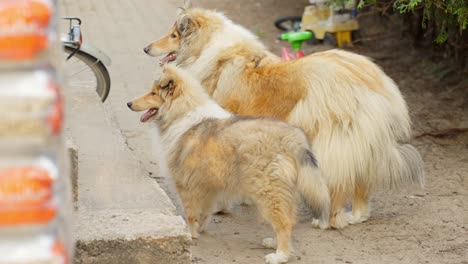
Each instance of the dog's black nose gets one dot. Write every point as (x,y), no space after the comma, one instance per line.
(129,104)
(146,49)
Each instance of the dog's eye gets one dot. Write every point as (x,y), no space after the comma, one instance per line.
(153,93)
(173,35)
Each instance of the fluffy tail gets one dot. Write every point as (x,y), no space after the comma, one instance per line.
(313,188)
(401,165)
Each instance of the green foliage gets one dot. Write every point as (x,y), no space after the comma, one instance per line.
(449,18)
(406,5)
(442,37)
(363,2)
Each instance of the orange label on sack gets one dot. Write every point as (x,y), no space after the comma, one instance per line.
(25,194)
(60,253)
(24,186)
(23,28)
(55,118)
(16,216)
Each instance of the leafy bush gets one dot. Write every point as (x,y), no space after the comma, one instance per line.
(448,18)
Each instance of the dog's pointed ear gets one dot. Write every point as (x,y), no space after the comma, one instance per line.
(187,4)
(170,84)
(186,24)
(166,84)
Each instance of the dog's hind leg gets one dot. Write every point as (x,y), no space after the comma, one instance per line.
(283,238)
(206,213)
(361,209)
(338,217)
(280,211)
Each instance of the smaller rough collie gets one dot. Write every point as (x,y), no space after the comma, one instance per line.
(211,152)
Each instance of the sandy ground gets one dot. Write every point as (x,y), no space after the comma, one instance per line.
(408,226)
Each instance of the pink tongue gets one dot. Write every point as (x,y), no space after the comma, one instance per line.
(146,116)
(169,57)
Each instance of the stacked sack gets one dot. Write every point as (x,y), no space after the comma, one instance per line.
(35,193)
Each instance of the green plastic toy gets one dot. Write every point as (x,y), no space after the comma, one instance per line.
(296,38)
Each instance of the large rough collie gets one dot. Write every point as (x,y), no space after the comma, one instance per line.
(211,152)
(352,112)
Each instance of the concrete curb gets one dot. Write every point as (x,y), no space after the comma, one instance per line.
(123,216)
(117,236)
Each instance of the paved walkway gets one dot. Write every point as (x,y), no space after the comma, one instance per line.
(121,28)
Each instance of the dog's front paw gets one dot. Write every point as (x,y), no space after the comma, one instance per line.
(356,218)
(339,220)
(316,223)
(204,222)
(194,230)
(195,234)
(352,219)
(276,258)
(269,242)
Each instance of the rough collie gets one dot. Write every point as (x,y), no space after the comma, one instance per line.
(352,112)
(211,152)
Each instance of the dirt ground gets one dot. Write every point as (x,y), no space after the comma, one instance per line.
(408,226)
